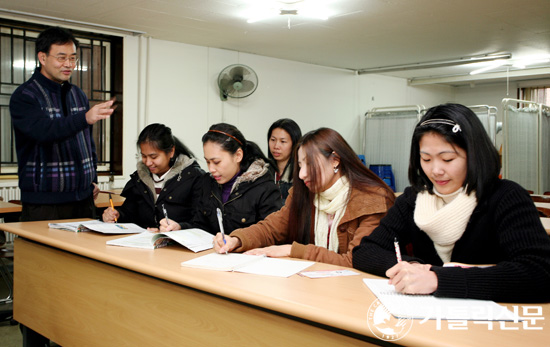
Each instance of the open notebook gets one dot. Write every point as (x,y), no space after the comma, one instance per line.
(98,226)
(252,264)
(195,239)
(431,307)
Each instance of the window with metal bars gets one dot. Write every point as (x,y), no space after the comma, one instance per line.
(98,73)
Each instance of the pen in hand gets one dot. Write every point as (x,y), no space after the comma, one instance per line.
(220,222)
(112,206)
(397,249)
(165,215)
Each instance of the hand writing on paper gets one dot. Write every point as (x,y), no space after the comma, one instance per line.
(271,251)
(412,278)
(110,215)
(168,225)
(230,243)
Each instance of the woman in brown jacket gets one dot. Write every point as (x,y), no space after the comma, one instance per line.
(334,203)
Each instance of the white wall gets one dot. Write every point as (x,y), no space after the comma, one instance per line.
(176,84)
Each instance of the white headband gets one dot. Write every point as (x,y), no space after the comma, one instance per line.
(456,127)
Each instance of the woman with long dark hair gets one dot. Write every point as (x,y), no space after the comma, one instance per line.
(282,138)
(334,202)
(239,183)
(166,177)
(457,210)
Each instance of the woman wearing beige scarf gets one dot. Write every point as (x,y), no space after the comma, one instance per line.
(334,202)
(458,210)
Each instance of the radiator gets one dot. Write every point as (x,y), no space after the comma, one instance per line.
(10,193)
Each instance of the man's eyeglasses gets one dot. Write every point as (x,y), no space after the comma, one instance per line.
(63,58)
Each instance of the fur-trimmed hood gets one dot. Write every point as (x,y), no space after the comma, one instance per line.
(181,163)
(256,170)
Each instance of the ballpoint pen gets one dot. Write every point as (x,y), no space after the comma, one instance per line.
(165,215)
(112,206)
(397,249)
(220,221)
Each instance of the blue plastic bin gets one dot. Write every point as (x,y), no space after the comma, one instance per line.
(385,172)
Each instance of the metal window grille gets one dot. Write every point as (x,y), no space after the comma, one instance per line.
(93,74)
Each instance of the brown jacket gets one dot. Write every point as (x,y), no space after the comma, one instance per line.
(362,216)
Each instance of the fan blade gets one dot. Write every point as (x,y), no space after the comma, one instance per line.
(225,81)
(237,73)
(247,86)
(230,91)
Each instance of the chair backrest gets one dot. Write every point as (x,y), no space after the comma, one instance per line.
(538,198)
(543,211)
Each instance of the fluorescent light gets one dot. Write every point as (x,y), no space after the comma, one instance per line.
(518,64)
(494,65)
(438,64)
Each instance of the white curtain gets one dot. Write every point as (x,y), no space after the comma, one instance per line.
(545,150)
(521,140)
(388,141)
(488,117)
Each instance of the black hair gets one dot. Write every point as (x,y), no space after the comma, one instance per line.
(483,163)
(160,136)
(326,142)
(54,36)
(231,139)
(295,133)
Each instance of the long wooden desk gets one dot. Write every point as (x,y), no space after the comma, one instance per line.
(76,290)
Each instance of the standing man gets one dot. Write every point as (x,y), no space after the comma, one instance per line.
(53,132)
(56,154)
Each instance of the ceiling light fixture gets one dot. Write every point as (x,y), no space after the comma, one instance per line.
(274,8)
(518,64)
(439,63)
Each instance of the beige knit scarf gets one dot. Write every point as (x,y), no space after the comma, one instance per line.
(444,222)
(331,202)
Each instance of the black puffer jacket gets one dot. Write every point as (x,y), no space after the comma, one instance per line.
(253,197)
(142,206)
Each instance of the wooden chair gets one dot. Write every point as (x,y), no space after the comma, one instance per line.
(544,212)
(540,198)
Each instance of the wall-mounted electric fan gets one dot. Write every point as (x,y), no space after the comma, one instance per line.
(237,81)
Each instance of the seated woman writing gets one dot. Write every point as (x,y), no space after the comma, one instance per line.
(239,184)
(334,202)
(458,210)
(165,181)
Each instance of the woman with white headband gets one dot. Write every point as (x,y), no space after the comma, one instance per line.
(458,210)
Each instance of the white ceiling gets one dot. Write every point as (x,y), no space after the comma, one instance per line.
(361,34)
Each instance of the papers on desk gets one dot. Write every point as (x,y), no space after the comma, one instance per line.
(431,307)
(99,226)
(252,264)
(195,239)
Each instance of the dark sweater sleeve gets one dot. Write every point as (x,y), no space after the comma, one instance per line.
(376,252)
(524,273)
(29,119)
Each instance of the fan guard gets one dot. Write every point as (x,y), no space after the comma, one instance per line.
(237,81)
